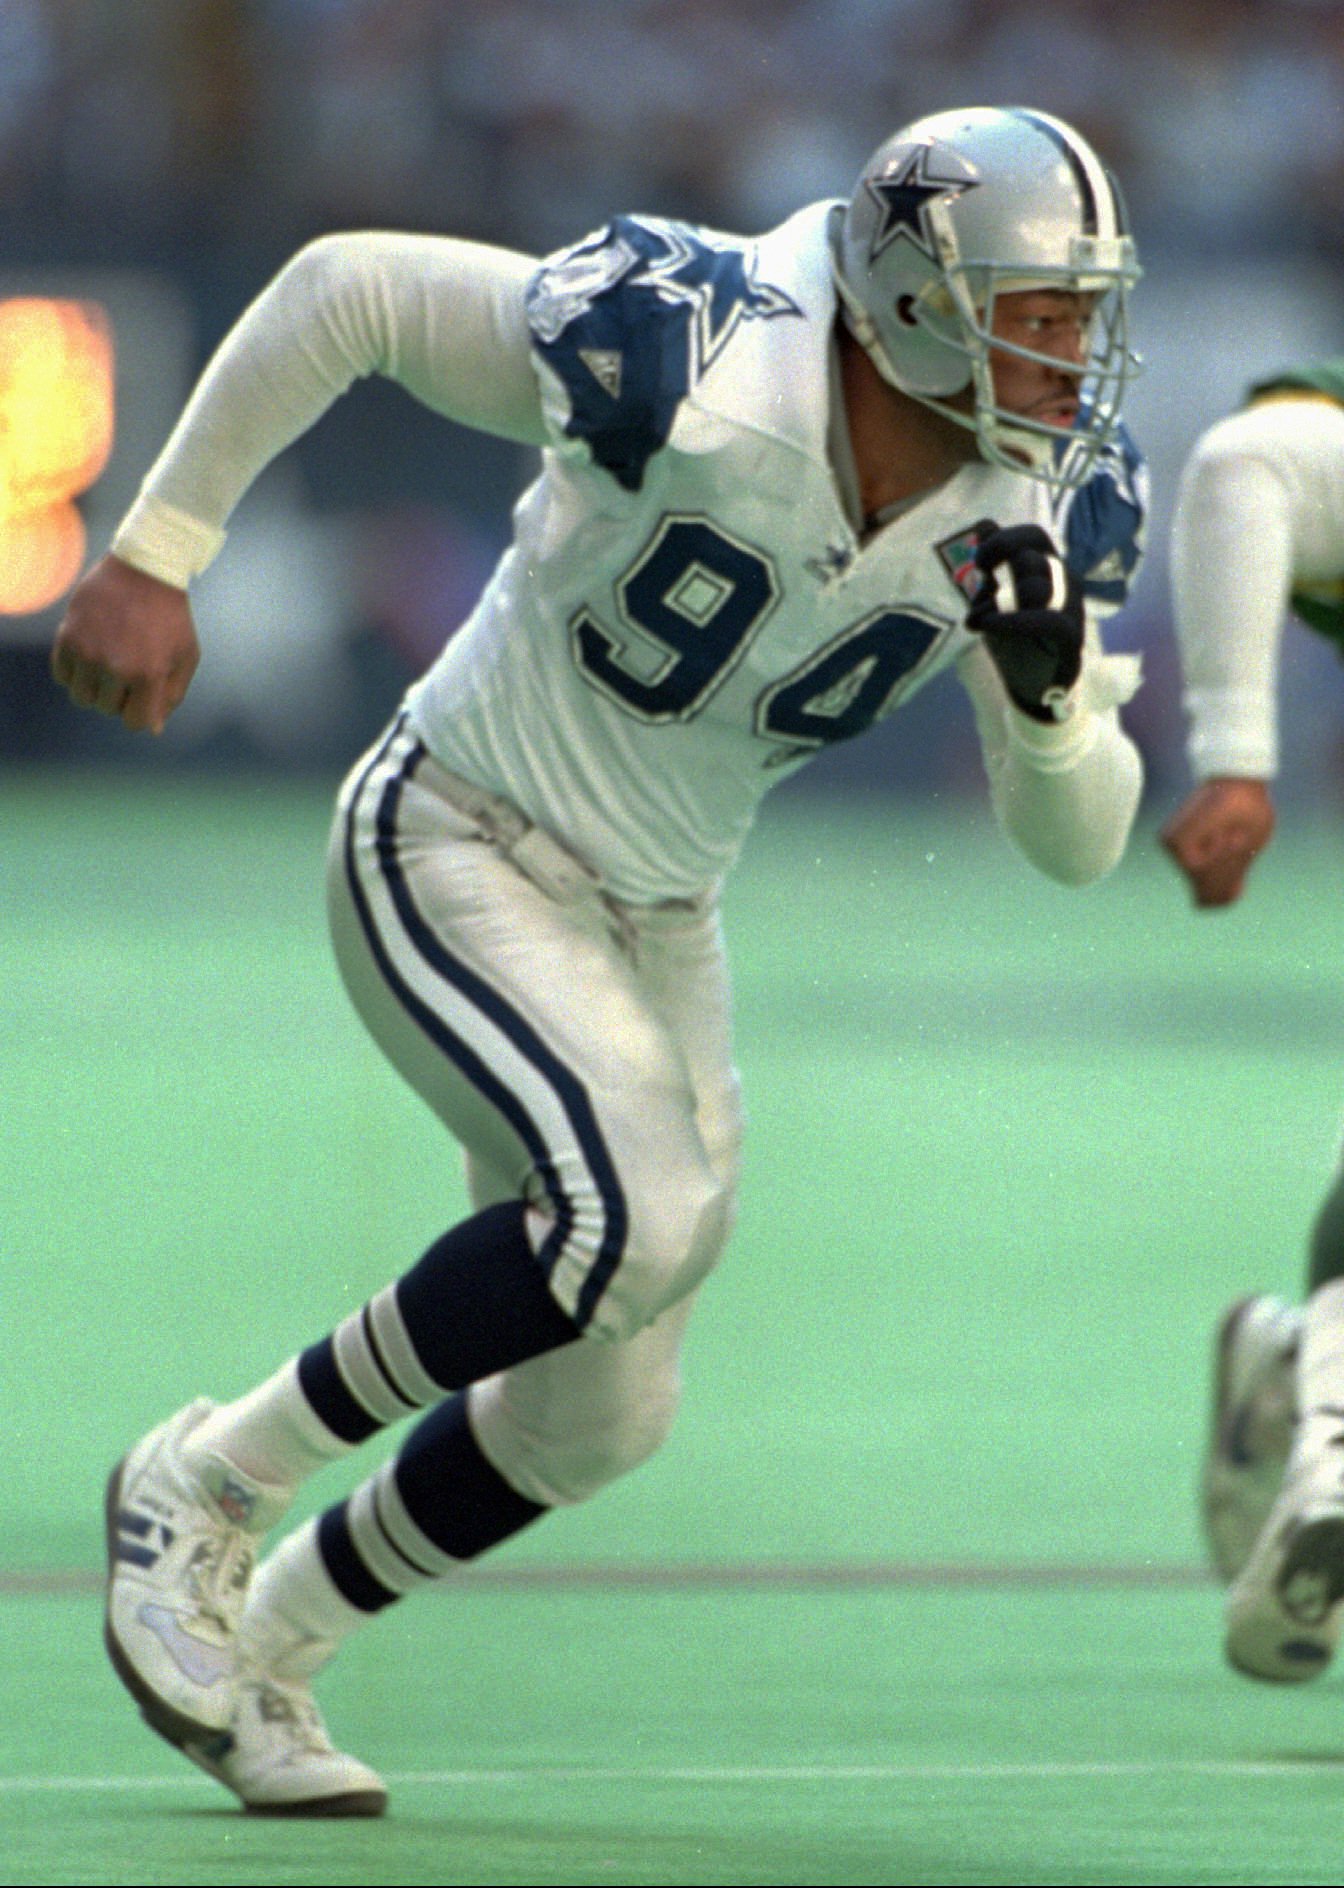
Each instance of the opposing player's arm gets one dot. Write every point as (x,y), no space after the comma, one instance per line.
(1258,492)
(127,646)
(444,319)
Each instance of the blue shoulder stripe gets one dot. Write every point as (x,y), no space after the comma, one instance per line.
(631,318)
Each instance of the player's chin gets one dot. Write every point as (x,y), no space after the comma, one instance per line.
(1057,419)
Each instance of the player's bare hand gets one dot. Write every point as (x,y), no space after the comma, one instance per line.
(1217,834)
(127,646)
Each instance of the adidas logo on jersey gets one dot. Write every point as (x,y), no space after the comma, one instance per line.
(832,564)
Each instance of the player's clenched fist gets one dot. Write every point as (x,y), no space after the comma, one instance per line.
(127,646)
(1217,834)
(1029,609)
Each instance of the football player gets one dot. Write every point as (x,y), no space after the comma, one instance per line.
(1261,505)
(783,482)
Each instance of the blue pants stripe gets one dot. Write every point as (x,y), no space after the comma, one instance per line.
(566,1086)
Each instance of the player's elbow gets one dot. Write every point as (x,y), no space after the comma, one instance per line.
(315,266)
(1092,854)
(1080,866)
(1079,836)
(330,276)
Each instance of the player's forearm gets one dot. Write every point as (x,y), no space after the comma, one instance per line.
(1065,793)
(444,319)
(1069,805)
(1231,572)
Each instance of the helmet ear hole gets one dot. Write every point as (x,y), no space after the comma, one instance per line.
(905,311)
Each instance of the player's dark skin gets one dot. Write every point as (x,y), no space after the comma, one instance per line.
(128,647)
(903,448)
(1216,835)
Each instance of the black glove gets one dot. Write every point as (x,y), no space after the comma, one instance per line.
(1029,609)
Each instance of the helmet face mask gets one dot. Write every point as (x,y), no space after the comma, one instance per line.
(958,210)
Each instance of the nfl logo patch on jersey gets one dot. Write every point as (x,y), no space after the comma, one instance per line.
(957,555)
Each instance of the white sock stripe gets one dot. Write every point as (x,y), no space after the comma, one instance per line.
(403,1531)
(377,1554)
(394,1341)
(389,1567)
(366,1382)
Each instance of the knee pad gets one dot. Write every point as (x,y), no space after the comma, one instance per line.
(556,1449)
(674,1243)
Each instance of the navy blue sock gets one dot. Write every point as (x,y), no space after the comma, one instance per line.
(475,1303)
(457,1504)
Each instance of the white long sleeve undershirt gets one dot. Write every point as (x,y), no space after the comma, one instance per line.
(443,318)
(1259,513)
(1066,794)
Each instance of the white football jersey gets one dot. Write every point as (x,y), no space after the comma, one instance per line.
(686,613)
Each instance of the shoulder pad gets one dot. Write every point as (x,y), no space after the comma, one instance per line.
(630,319)
(1103,522)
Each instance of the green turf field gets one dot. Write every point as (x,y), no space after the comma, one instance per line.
(914,1592)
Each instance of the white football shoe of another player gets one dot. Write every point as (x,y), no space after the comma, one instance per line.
(1286,1606)
(1251,1430)
(278,1759)
(180,1549)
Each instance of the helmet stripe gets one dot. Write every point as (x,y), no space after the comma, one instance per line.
(1093,183)
(1118,198)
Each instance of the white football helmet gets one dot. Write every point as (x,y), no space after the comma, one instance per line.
(962,206)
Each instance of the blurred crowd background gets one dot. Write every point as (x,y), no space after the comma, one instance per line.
(164,157)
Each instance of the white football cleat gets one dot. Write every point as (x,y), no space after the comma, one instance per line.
(1286,1606)
(1251,1430)
(278,1760)
(180,1553)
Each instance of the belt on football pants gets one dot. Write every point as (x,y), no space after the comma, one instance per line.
(551,867)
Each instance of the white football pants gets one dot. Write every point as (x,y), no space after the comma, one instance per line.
(579,1050)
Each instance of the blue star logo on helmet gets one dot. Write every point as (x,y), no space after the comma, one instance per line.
(902,193)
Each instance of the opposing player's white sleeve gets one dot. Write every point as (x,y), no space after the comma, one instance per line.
(1065,794)
(444,319)
(1259,512)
